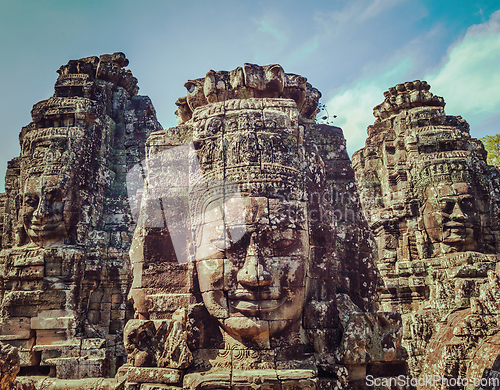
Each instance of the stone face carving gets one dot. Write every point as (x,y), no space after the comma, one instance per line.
(432,203)
(43,207)
(263,272)
(250,240)
(67,223)
(451,217)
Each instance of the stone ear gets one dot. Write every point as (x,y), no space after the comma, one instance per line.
(21,237)
(421,220)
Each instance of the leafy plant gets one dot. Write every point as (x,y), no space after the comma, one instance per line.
(324,116)
(492,145)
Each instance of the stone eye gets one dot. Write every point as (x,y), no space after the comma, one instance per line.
(447,206)
(190,87)
(220,243)
(282,239)
(467,205)
(32,201)
(283,244)
(55,195)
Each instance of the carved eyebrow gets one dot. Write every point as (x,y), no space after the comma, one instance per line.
(52,189)
(447,199)
(286,224)
(30,195)
(456,198)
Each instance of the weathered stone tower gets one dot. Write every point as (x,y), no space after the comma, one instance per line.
(432,203)
(252,264)
(66,222)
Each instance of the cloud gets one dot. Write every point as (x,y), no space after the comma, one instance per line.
(376,7)
(305,50)
(354,105)
(469,80)
(265,26)
(354,14)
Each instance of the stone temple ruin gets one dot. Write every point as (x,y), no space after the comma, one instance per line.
(233,250)
(266,277)
(432,203)
(67,225)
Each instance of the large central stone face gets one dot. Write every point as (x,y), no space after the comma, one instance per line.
(244,242)
(253,283)
(252,245)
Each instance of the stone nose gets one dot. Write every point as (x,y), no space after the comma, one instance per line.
(458,214)
(43,208)
(254,272)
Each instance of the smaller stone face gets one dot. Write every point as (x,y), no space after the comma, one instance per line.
(43,210)
(451,216)
(431,200)
(252,273)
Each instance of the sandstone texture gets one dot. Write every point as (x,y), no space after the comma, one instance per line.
(432,203)
(253,266)
(9,365)
(67,223)
(241,249)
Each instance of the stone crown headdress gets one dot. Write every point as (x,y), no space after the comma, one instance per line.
(255,144)
(445,171)
(48,150)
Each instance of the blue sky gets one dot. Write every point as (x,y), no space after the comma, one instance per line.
(351,50)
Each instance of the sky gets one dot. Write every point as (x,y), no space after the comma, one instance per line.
(351,50)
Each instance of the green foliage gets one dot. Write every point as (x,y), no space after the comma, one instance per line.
(492,146)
